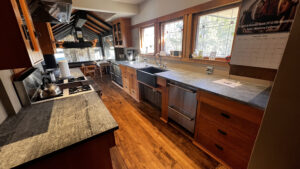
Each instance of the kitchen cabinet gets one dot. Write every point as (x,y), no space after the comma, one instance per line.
(130,83)
(46,38)
(21,47)
(226,129)
(122,33)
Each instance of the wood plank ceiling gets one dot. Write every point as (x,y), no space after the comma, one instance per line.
(92,28)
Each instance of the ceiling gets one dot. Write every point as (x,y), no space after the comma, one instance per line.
(130,1)
(94,26)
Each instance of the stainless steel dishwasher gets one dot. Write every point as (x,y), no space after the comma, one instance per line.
(182,105)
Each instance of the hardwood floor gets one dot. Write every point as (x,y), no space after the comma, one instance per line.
(143,140)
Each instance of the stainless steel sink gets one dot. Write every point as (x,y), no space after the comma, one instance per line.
(147,75)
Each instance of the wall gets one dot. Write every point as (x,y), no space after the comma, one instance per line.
(3,114)
(151,9)
(10,103)
(277,144)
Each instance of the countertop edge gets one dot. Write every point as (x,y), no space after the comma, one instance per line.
(69,146)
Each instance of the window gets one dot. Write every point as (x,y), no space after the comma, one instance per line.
(82,55)
(147,40)
(215,33)
(171,37)
(109,50)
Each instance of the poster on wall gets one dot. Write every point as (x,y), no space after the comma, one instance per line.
(263,32)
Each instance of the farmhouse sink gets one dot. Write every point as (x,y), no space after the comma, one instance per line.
(147,75)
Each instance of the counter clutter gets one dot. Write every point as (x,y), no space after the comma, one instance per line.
(44,128)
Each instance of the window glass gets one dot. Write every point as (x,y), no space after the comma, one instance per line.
(78,54)
(215,33)
(147,42)
(109,50)
(172,34)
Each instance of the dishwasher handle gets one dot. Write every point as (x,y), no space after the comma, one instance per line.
(181,114)
(187,90)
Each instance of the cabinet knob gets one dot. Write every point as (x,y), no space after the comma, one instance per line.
(219,147)
(225,115)
(222,132)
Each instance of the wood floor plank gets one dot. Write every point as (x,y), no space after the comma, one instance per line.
(144,141)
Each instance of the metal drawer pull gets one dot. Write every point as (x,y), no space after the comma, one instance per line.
(219,147)
(179,113)
(222,132)
(187,90)
(225,115)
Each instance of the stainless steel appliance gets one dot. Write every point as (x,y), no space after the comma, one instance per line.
(27,85)
(182,105)
(31,89)
(53,11)
(116,74)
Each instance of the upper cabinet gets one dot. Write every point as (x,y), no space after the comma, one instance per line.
(122,33)
(21,47)
(46,38)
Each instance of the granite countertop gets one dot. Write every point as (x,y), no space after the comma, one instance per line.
(43,128)
(249,93)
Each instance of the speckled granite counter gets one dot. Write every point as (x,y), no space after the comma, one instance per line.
(44,128)
(248,93)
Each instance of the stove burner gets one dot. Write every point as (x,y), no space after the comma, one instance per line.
(81,78)
(79,89)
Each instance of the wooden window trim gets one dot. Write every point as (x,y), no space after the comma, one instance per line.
(141,37)
(217,62)
(196,22)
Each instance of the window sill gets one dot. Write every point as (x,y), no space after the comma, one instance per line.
(217,62)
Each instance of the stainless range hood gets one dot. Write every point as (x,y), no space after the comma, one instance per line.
(53,11)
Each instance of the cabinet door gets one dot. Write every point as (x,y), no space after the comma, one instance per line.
(28,32)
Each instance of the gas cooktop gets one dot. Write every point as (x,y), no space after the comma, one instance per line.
(79,89)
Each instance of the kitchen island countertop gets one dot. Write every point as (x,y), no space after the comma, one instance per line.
(44,128)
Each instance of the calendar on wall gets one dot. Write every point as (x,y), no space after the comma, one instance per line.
(263,32)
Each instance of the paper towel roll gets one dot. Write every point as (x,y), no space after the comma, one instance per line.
(64,69)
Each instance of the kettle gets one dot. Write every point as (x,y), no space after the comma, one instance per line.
(50,88)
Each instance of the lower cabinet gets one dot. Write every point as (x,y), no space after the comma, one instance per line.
(226,129)
(130,83)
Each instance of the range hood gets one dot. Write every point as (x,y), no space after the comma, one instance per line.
(53,11)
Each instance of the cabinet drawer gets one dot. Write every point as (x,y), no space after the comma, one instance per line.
(223,152)
(232,139)
(228,121)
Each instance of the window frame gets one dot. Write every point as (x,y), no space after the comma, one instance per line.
(196,24)
(162,30)
(141,38)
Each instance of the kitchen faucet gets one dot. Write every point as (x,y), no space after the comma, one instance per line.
(164,66)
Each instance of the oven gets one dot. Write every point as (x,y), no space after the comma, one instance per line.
(182,105)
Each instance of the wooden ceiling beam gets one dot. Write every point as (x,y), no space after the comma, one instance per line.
(98,22)
(94,30)
(95,26)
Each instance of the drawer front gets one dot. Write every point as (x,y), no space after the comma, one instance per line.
(228,121)
(185,121)
(229,138)
(126,84)
(221,151)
